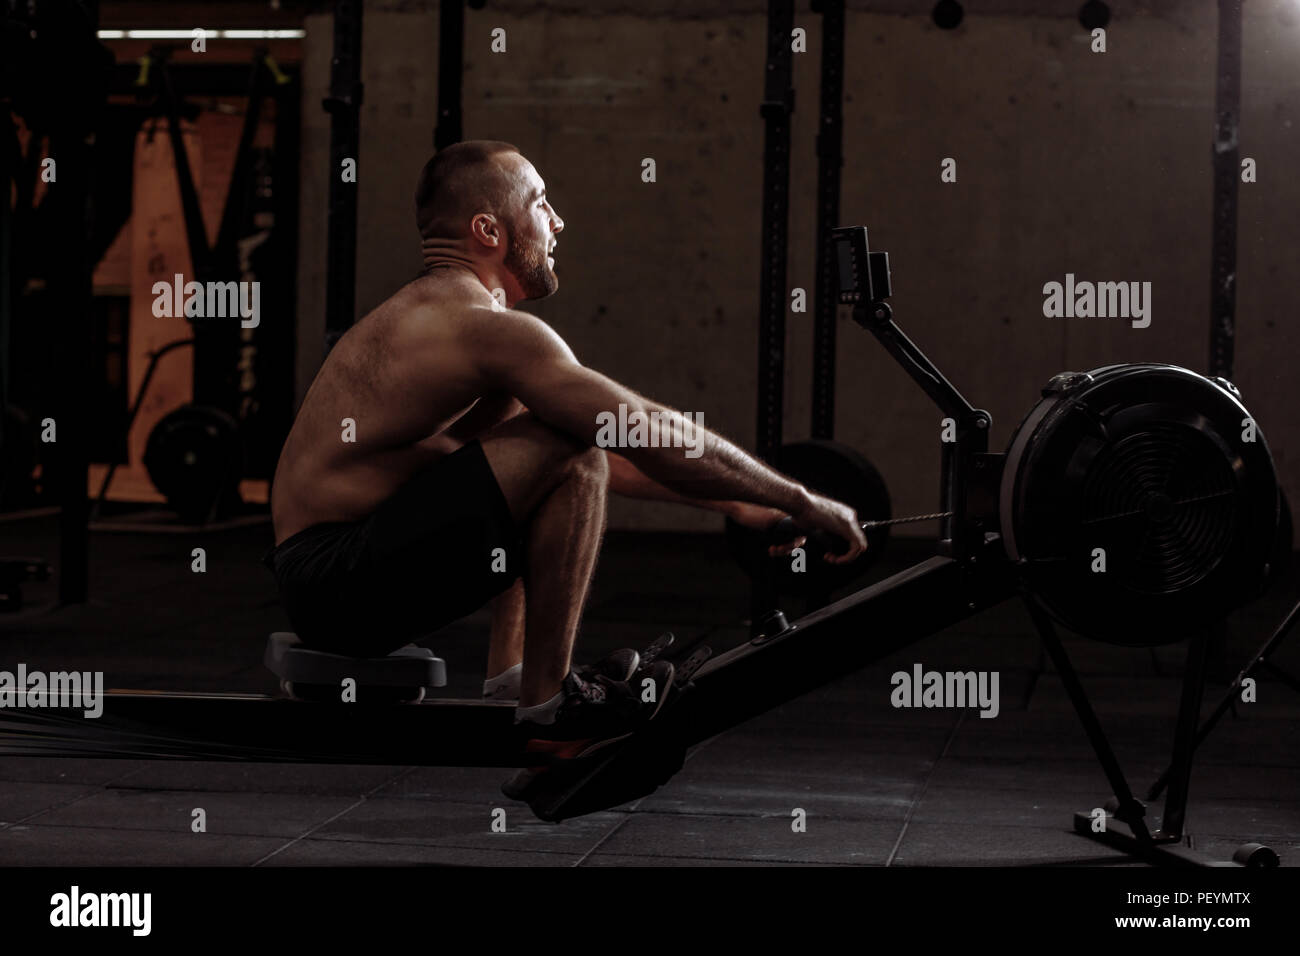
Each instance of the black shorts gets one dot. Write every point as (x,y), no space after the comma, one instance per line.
(441,547)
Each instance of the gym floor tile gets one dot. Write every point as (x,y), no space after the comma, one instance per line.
(307,779)
(226,814)
(476,785)
(1046,809)
(1066,742)
(347,853)
(78,846)
(1243,782)
(864,719)
(976,844)
(1264,743)
(769,839)
(797,750)
(465,825)
(626,860)
(1036,775)
(1111,697)
(68,769)
(1249,821)
(21,802)
(777,797)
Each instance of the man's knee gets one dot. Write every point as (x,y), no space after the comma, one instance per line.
(531,458)
(561,452)
(589,463)
(590,466)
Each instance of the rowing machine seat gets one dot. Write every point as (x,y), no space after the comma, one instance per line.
(299,668)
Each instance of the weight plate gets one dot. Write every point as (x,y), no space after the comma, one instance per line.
(18,444)
(1137,504)
(195,458)
(839,472)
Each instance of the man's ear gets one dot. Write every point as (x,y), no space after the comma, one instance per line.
(487,229)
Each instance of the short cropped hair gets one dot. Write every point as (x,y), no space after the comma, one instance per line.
(461,181)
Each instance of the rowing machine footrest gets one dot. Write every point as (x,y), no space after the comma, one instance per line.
(408,666)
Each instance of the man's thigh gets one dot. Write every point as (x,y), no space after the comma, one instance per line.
(439,548)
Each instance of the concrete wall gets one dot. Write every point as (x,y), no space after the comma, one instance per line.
(1067,161)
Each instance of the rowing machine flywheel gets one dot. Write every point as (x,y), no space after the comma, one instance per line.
(1139,502)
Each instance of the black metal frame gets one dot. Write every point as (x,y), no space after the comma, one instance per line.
(775,109)
(1227,172)
(830,160)
(216,344)
(451,68)
(344,106)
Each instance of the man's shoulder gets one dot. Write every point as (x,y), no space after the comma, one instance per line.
(431,297)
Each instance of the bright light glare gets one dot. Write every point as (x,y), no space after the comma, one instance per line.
(210,34)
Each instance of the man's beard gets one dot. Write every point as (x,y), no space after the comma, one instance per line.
(529,268)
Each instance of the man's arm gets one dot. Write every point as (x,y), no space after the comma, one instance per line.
(488,412)
(630,481)
(519,354)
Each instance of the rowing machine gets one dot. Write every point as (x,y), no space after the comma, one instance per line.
(1136,504)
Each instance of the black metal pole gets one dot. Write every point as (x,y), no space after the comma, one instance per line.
(777,105)
(830,159)
(1223,254)
(451,66)
(72,144)
(1189,710)
(344,107)
(1259,661)
(1130,809)
(9,165)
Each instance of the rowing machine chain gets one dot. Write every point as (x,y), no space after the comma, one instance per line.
(867,525)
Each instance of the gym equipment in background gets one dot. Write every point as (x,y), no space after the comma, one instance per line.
(839,472)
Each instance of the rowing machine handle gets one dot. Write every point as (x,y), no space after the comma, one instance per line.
(819,542)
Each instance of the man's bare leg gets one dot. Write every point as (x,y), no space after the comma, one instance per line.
(556,489)
(506,646)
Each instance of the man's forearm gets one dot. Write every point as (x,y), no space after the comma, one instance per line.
(703,465)
(628,480)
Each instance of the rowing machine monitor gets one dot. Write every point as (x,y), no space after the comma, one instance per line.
(863,275)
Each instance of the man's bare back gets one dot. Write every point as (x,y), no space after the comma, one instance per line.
(406,379)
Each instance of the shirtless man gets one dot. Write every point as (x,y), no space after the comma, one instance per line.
(445,456)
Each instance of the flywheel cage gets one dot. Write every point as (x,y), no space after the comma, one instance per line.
(1139,502)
